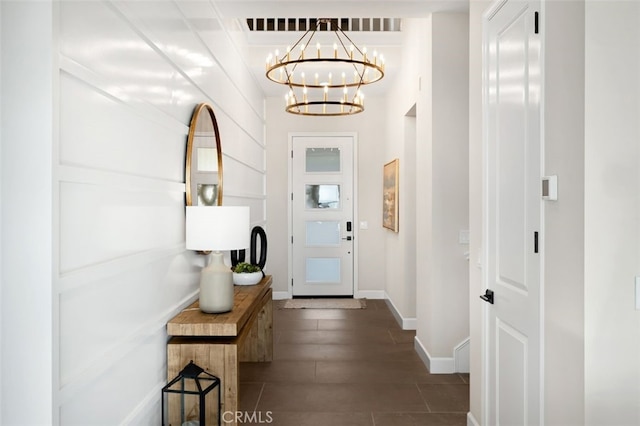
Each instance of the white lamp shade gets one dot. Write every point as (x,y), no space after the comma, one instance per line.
(217,228)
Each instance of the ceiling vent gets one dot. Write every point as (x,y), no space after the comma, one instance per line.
(304,24)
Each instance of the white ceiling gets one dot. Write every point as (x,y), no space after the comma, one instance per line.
(235,12)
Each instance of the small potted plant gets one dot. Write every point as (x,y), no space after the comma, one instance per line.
(246,274)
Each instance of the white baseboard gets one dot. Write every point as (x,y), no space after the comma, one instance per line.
(458,363)
(405,323)
(462,356)
(281,295)
(471,421)
(369,294)
(435,365)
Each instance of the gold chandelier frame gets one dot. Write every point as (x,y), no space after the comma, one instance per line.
(291,70)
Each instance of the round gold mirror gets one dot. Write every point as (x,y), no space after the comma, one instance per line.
(203,171)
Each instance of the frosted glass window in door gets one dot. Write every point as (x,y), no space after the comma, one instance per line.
(322,160)
(322,233)
(322,196)
(323,270)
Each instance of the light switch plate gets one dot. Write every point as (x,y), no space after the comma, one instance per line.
(463,237)
(364,224)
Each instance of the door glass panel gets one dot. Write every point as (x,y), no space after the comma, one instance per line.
(323,233)
(322,160)
(323,270)
(322,196)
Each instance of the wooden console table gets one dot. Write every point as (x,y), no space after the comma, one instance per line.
(219,342)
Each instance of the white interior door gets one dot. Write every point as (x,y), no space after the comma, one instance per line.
(513,211)
(322,215)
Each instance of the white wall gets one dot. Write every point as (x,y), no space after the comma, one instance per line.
(405,120)
(370,127)
(563,233)
(612,213)
(441,43)
(26,225)
(105,266)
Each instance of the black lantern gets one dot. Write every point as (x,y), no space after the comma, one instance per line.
(192,398)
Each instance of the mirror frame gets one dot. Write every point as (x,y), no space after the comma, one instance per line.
(200,109)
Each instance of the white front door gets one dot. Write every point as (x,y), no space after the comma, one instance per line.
(513,214)
(322,215)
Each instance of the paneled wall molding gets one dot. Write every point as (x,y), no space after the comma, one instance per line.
(89,372)
(139,27)
(244,196)
(128,77)
(238,50)
(105,86)
(92,274)
(142,412)
(241,161)
(125,181)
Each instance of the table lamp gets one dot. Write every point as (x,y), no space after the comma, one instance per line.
(217,228)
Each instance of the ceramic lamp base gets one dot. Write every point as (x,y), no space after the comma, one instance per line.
(216,286)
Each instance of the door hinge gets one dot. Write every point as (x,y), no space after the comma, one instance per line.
(535,242)
(291,153)
(292,239)
(536,23)
(292,196)
(291,282)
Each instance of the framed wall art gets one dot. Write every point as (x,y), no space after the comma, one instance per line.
(390,194)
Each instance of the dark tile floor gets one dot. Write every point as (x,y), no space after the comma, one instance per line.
(348,368)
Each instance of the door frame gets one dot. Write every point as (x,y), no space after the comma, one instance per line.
(485,401)
(356,239)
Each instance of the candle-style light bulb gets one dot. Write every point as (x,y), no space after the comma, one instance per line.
(288,52)
(330,77)
(302,51)
(335,50)
(375,57)
(344,78)
(318,47)
(302,77)
(364,54)
(316,81)
(351,51)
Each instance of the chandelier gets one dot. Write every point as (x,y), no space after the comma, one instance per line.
(325,79)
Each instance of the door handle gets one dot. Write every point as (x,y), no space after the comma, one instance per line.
(349,238)
(487,296)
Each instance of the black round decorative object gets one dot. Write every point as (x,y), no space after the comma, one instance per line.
(255,232)
(238,256)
